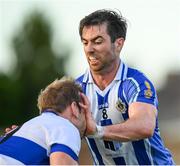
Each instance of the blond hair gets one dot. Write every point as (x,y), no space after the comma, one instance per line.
(59,94)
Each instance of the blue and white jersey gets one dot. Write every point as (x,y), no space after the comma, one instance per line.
(110,106)
(33,143)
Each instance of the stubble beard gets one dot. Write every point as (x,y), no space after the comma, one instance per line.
(103,68)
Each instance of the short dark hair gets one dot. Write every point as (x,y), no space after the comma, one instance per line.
(116,24)
(59,94)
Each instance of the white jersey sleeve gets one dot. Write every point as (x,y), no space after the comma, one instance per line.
(33,143)
(64,137)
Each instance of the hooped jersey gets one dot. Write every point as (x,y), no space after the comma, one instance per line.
(33,143)
(110,106)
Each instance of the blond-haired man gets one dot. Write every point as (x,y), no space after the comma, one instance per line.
(53,137)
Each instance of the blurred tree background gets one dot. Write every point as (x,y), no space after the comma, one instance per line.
(36,66)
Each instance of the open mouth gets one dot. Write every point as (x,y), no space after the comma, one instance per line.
(93,60)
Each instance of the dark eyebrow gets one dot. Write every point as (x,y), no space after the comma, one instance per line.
(97,37)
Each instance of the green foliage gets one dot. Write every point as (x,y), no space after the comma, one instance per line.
(36,67)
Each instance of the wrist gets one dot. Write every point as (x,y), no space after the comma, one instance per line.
(99,133)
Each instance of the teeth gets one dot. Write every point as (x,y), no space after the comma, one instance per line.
(92,58)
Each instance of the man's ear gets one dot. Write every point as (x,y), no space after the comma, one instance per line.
(75,110)
(119,42)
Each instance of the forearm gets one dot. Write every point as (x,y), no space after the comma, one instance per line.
(128,131)
(140,125)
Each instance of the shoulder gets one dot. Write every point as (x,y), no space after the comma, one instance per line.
(79,79)
(138,87)
(51,123)
(60,130)
(137,81)
(83,80)
(69,126)
(134,73)
(137,77)
(59,123)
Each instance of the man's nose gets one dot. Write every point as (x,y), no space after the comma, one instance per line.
(89,48)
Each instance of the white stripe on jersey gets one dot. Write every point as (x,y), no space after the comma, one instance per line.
(5,160)
(148,149)
(138,90)
(125,71)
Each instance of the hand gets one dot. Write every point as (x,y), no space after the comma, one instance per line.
(90,122)
(7,130)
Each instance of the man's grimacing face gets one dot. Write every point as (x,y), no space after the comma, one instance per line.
(100,51)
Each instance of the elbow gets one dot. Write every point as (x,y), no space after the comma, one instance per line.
(147,131)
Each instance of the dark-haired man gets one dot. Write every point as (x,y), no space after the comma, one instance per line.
(123,100)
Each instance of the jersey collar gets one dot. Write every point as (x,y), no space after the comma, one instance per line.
(120,75)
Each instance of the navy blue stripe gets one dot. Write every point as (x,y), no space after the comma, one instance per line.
(80,79)
(120,96)
(140,152)
(119,161)
(50,111)
(95,150)
(106,97)
(101,99)
(84,87)
(108,144)
(25,151)
(65,149)
(106,122)
(82,84)
(122,73)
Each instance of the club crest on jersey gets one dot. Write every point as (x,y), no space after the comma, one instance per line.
(120,106)
(148,92)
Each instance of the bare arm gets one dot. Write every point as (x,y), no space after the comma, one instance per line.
(60,158)
(140,125)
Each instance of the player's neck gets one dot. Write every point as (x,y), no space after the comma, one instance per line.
(102,80)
